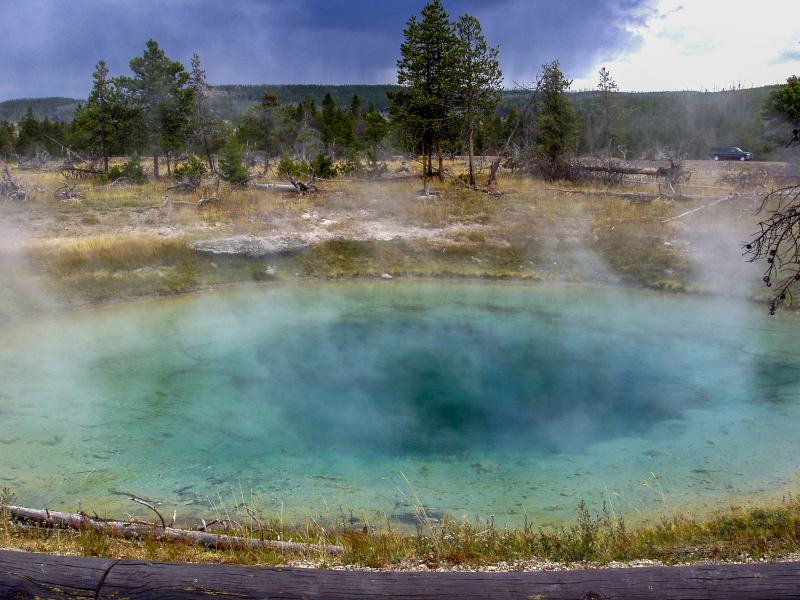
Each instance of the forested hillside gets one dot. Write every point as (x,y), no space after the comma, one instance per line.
(231,101)
(653,123)
(54,109)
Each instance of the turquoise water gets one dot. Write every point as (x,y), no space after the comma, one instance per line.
(498,399)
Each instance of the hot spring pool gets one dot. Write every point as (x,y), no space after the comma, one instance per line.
(490,398)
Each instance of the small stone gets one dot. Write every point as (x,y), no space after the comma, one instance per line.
(306,216)
(386,276)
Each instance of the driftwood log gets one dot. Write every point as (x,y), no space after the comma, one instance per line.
(24,575)
(136,529)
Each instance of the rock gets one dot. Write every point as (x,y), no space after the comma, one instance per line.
(250,246)
(386,276)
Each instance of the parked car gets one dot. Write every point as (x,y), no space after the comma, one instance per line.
(729,153)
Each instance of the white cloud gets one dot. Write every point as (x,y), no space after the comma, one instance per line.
(708,44)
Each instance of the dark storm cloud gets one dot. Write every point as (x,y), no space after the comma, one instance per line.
(311,41)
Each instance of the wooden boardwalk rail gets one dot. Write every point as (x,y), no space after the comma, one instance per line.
(28,576)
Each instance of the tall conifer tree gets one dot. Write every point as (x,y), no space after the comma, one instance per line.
(105,118)
(426,70)
(159,88)
(478,79)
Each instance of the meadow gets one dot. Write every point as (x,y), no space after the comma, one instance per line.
(116,243)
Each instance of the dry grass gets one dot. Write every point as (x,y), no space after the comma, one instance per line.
(768,532)
(532,232)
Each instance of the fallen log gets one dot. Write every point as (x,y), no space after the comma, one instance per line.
(293,186)
(701,207)
(25,575)
(137,529)
(640,196)
(274,186)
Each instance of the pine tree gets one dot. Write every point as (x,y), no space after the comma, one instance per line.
(610,107)
(7,135)
(160,90)
(426,70)
(231,165)
(557,123)
(357,117)
(375,127)
(28,138)
(784,104)
(105,119)
(478,78)
(337,126)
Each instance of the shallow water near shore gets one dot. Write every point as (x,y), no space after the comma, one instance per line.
(504,399)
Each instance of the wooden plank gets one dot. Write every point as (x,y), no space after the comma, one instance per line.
(28,575)
(152,581)
(24,575)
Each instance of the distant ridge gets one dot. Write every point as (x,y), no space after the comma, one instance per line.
(56,108)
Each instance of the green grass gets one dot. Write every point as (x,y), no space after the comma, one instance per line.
(766,532)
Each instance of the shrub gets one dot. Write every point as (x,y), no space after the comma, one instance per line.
(194,168)
(231,165)
(132,170)
(291,167)
(323,166)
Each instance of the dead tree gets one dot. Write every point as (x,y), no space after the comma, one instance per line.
(135,529)
(531,101)
(199,204)
(14,188)
(614,170)
(295,186)
(67,192)
(189,184)
(778,241)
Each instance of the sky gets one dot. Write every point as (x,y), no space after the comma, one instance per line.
(647,45)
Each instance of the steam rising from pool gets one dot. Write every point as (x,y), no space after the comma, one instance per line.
(491,398)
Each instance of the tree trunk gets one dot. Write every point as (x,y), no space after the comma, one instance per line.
(499,158)
(471,153)
(155,164)
(441,169)
(211,158)
(169,169)
(105,154)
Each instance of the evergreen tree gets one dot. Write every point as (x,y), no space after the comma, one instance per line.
(329,120)
(609,105)
(160,90)
(53,136)
(375,127)
(557,122)
(29,137)
(105,120)
(357,118)
(784,104)
(426,70)
(231,165)
(478,78)
(268,126)
(337,126)
(7,138)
